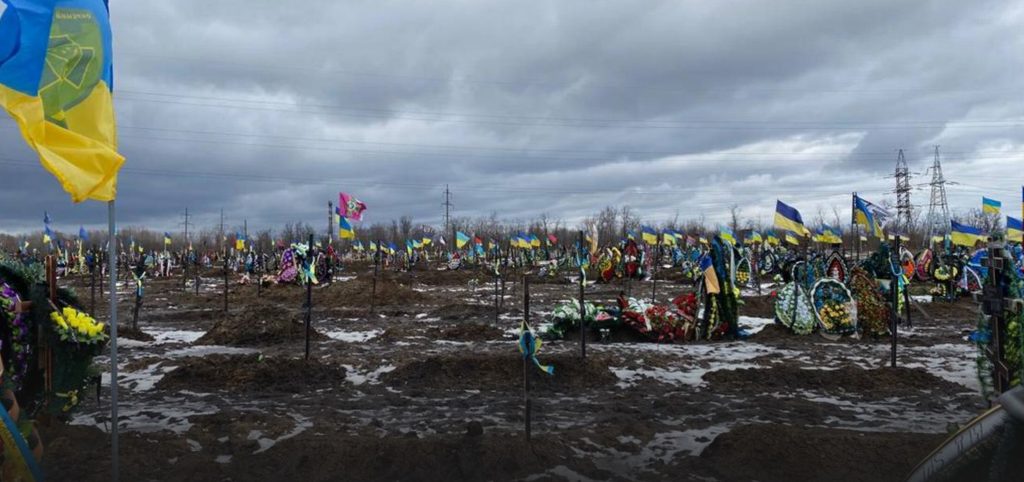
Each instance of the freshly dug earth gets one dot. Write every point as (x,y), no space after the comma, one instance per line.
(133,334)
(464,312)
(758,306)
(480,372)
(258,324)
(769,452)
(251,373)
(466,332)
(82,453)
(359,292)
(876,384)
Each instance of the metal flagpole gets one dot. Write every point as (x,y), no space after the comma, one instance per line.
(111,260)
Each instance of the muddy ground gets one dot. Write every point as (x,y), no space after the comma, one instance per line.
(428,385)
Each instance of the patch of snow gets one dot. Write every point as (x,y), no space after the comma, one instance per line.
(353,336)
(357,377)
(754,325)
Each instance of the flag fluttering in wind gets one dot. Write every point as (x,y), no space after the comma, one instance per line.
(529,345)
(461,239)
(1014,230)
(727,235)
(345,229)
(964,235)
(167,239)
(552,240)
(55,81)
(350,207)
(649,235)
(788,218)
(990,206)
(772,238)
(864,216)
(755,237)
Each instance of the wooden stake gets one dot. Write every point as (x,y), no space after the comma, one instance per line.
(309,295)
(528,404)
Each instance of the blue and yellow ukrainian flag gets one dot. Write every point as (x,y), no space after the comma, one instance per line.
(755,237)
(773,239)
(727,235)
(1014,230)
(461,239)
(56,78)
(668,238)
(345,229)
(990,206)
(649,235)
(711,284)
(964,235)
(534,241)
(862,216)
(167,239)
(787,218)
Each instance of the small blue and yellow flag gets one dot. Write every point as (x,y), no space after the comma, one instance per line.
(534,241)
(373,246)
(964,235)
(167,239)
(773,239)
(755,237)
(668,237)
(990,206)
(345,229)
(649,235)
(788,218)
(727,235)
(56,78)
(529,345)
(1014,230)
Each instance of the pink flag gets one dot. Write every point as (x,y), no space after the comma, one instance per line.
(350,207)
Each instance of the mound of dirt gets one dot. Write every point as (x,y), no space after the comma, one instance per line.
(875,384)
(464,312)
(250,373)
(494,372)
(466,332)
(768,453)
(258,324)
(358,293)
(758,306)
(133,334)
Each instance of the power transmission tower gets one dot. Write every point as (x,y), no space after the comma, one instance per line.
(186,224)
(448,228)
(938,208)
(903,208)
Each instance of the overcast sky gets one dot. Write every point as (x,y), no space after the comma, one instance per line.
(268,109)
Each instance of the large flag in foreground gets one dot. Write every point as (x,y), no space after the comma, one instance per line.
(56,80)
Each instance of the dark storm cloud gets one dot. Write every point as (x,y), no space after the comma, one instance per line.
(267,109)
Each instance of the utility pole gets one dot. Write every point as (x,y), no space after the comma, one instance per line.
(330,222)
(245,229)
(184,259)
(448,227)
(903,208)
(938,208)
(223,245)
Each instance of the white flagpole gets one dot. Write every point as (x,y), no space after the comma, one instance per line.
(112,262)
